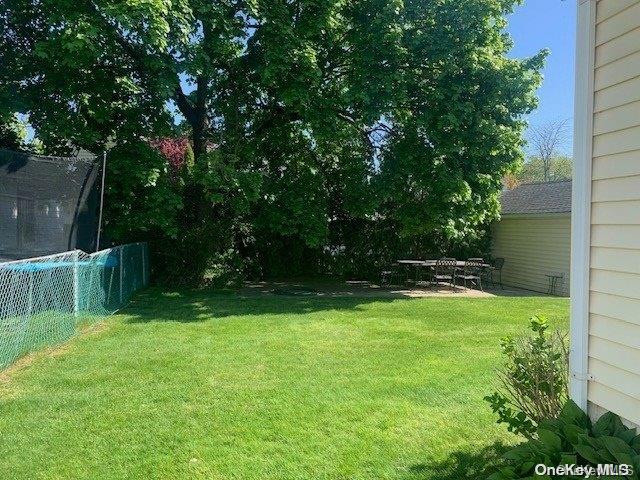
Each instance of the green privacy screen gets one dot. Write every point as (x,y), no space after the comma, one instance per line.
(44,300)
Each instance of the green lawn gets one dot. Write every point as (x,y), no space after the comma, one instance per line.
(195,385)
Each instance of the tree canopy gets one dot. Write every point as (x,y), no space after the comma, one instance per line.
(317,128)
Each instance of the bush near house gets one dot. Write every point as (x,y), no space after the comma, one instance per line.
(572,439)
(533,380)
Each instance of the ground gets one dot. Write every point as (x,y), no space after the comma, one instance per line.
(195,384)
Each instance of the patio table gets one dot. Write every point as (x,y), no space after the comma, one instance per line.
(431,264)
(459,263)
(411,262)
(415,263)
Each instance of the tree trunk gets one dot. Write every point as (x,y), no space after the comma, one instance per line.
(199,143)
(196,216)
(200,123)
(546,168)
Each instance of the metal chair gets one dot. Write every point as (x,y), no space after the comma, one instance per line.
(427,272)
(445,272)
(554,278)
(388,275)
(472,272)
(496,266)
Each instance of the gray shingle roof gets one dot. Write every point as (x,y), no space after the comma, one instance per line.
(531,198)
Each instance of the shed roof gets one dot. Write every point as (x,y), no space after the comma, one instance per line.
(542,197)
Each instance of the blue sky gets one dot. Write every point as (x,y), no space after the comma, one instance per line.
(548,24)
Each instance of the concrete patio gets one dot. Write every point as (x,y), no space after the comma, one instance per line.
(352,288)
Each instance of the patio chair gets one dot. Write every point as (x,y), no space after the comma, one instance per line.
(496,267)
(388,275)
(426,272)
(445,272)
(427,276)
(472,272)
(554,278)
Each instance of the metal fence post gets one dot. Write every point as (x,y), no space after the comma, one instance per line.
(30,297)
(76,292)
(121,275)
(147,272)
(143,254)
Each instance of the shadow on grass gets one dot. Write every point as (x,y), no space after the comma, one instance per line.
(187,306)
(194,305)
(462,465)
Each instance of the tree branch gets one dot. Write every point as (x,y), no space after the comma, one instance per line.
(141,60)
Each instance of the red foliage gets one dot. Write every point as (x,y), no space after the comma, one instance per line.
(173,149)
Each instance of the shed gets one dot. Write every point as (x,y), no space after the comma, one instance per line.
(534,236)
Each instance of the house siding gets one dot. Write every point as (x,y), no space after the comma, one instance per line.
(614,264)
(533,246)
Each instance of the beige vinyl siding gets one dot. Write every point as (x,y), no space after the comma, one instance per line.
(614,304)
(609,8)
(533,246)
(617,95)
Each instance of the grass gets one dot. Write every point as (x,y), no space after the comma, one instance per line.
(191,385)
(19,337)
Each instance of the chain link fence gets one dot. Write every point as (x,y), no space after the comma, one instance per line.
(44,300)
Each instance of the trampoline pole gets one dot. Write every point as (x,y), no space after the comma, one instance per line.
(104,172)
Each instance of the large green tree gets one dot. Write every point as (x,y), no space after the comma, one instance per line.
(312,122)
(459,127)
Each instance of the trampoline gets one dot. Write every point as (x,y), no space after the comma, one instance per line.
(48,204)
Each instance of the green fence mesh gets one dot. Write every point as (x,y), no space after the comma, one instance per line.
(44,300)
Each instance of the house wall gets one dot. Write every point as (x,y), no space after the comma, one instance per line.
(610,317)
(533,246)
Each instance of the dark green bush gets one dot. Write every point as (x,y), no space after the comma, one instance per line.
(572,439)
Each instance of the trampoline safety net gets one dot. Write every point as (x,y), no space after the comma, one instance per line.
(48,204)
(46,300)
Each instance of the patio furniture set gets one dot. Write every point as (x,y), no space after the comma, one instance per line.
(449,272)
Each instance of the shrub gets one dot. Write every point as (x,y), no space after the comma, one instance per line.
(533,380)
(572,439)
